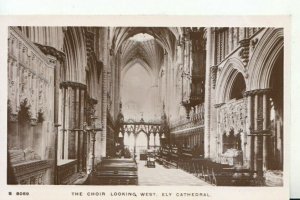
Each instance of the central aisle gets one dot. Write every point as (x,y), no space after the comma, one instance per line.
(162,176)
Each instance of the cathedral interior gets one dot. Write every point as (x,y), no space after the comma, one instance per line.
(145,106)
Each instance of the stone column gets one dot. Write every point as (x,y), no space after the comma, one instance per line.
(265,125)
(259,119)
(209,50)
(255,146)
(64,88)
(106,56)
(249,126)
(72,116)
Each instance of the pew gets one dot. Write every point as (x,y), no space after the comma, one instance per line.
(116,172)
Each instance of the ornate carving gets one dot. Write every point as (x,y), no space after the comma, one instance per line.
(48,50)
(89,38)
(244,52)
(232,116)
(29,77)
(213,75)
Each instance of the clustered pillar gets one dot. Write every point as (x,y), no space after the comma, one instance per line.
(73,117)
(259,120)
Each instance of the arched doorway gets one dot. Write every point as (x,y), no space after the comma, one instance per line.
(141,143)
(276,111)
(265,97)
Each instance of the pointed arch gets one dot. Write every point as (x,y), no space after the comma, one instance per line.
(75,49)
(262,62)
(228,75)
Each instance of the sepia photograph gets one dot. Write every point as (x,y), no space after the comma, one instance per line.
(145,105)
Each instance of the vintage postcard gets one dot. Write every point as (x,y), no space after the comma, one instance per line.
(115,107)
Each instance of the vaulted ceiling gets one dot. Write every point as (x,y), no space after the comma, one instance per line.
(165,36)
(148,53)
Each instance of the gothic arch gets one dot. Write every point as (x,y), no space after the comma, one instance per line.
(263,59)
(75,50)
(227,77)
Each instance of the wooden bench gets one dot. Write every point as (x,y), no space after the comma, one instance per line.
(166,163)
(116,172)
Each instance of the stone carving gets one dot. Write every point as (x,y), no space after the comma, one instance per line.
(29,77)
(244,52)
(89,38)
(232,116)
(213,75)
(48,50)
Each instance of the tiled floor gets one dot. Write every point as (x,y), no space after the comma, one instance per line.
(163,176)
